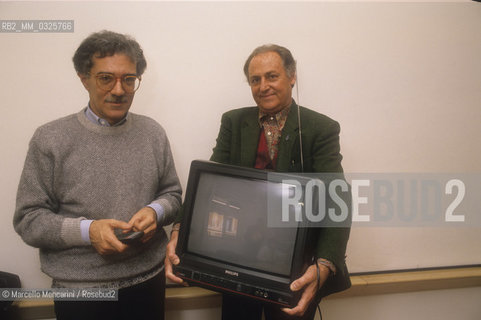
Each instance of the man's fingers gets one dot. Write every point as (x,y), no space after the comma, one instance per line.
(174,259)
(171,260)
(170,252)
(308,283)
(305,279)
(145,220)
(103,238)
(303,303)
(117,224)
(298,310)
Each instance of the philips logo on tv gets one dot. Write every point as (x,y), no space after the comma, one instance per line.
(232,273)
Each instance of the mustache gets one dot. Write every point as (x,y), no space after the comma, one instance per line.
(116,99)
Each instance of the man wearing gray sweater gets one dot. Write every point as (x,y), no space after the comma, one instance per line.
(93,175)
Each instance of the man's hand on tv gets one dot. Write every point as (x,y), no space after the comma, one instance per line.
(308,282)
(171,258)
(103,238)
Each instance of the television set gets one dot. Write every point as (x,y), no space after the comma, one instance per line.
(225,242)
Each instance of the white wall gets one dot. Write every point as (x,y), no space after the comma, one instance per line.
(403,79)
(462,304)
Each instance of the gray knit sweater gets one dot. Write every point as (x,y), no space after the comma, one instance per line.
(77,170)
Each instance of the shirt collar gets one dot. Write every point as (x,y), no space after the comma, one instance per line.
(102,122)
(280,117)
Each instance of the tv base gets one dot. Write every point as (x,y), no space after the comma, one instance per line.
(225,285)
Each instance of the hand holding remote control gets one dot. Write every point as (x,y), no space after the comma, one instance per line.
(130,237)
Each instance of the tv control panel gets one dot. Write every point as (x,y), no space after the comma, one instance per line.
(226,285)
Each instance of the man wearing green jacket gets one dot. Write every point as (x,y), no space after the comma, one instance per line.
(267,137)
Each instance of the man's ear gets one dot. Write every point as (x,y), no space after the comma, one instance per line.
(293,80)
(83,79)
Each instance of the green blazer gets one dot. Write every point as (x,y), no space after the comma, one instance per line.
(237,145)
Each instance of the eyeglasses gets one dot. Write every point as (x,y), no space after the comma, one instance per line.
(107,81)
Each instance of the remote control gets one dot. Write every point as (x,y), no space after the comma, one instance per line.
(130,237)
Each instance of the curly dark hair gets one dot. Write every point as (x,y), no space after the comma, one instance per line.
(105,44)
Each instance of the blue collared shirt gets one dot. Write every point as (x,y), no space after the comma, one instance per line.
(102,122)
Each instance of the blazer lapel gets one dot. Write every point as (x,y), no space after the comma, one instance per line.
(250,131)
(289,136)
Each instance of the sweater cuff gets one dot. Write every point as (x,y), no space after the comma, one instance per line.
(165,217)
(70,232)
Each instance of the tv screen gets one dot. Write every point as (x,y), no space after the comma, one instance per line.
(229,224)
(225,242)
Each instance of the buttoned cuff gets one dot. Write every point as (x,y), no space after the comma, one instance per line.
(159,210)
(84,230)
